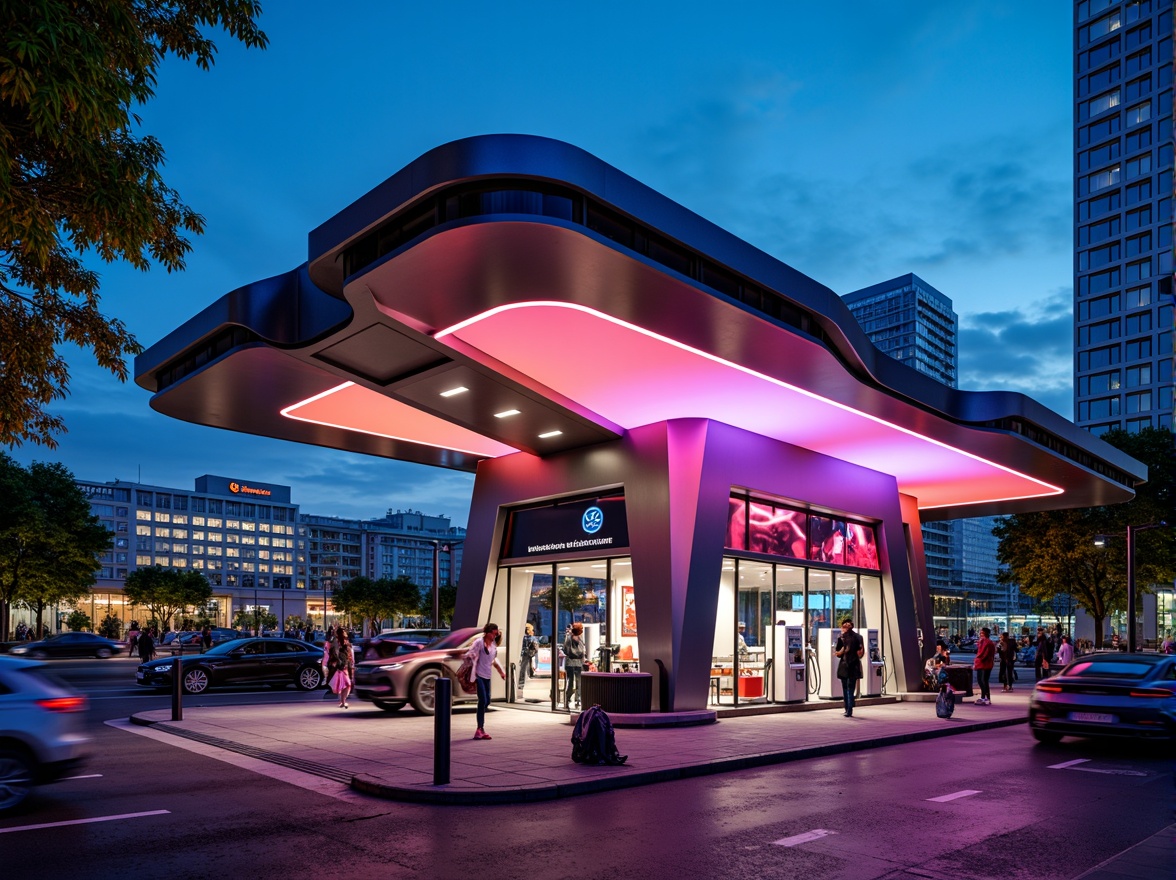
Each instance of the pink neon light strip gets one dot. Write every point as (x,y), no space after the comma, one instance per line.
(456,329)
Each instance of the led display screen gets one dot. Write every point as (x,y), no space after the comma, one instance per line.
(737,524)
(827,540)
(778,531)
(764,527)
(861,547)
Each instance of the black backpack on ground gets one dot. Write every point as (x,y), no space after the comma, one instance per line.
(593,741)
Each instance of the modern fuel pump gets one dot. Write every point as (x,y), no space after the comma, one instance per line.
(788,671)
(830,684)
(872,667)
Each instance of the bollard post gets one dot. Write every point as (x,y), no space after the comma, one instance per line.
(442,705)
(178,686)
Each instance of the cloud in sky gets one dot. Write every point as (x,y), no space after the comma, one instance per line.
(1029,350)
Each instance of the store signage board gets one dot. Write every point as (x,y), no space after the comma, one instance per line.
(590,526)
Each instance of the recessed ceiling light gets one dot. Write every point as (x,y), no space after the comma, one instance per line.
(548,434)
(460,389)
(506,413)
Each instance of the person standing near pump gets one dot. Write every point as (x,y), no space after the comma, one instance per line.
(574,652)
(527,655)
(849,648)
(483,656)
(985,654)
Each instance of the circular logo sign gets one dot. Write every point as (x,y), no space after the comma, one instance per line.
(234,487)
(592,520)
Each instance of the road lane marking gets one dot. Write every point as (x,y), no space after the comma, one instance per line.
(815,834)
(338,790)
(1073,765)
(85,821)
(944,798)
(1068,764)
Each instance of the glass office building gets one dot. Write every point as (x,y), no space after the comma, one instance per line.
(1123,313)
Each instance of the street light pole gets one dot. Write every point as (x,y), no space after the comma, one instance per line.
(1132,642)
(438,546)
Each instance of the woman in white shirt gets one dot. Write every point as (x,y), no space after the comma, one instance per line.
(483,655)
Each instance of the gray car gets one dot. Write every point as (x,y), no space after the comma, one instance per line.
(41,732)
(412,677)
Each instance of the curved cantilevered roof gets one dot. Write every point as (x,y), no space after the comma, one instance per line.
(509,293)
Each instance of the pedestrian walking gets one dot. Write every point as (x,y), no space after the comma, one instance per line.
(205,638)
(146,647)
(342,662)
(849,648)
(527,654)
(483,656)
(1065,655)
(985,654)
(1006,651)
(574,652)
(1043,654)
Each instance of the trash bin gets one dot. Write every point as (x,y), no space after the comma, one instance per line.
(960,679)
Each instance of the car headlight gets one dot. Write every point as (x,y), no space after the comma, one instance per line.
(390,666)
(166,668)
(21,650)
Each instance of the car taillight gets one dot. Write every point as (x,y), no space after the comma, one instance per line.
(1159,693)
(1049,688)
(63,704)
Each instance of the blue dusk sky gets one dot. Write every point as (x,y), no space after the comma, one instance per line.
(855,142)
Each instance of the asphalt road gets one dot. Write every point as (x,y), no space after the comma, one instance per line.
(978,805)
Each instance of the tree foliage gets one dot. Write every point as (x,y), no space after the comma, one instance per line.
(75,178)
(1054,552)
(49,540)
(166,591)
(570,591)
(377,599)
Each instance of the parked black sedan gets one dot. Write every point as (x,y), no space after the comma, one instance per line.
(1107,695)
(70,644)
(277,662)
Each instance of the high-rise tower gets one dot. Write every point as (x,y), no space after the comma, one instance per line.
(912,322)
(1123,312)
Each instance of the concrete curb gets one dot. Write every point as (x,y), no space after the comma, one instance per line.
(441,796)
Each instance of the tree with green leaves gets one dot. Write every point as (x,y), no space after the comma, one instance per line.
(78,177)
(165,592)
(1055,552)
(377,600)
(570,591)
(79,621)
(253,621)
(50,543)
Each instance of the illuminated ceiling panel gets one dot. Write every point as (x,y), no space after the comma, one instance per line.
(355,408)
(634,377)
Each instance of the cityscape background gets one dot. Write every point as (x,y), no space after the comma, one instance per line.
(901,138)
(985,160)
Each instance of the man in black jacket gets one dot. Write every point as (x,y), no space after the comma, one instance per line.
(849,648)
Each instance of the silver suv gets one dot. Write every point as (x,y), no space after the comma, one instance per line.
(41,729)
